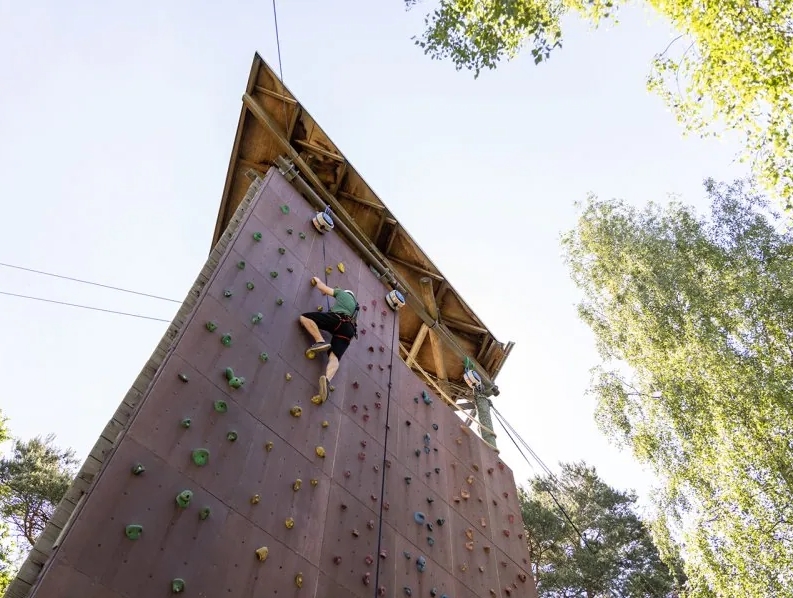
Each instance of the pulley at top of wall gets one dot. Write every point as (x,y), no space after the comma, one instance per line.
(395,300)
(323,221)
(471,376)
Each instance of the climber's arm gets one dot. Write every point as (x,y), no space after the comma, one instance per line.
(322,287)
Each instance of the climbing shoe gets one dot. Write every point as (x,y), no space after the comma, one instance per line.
(323,388)
(312,351)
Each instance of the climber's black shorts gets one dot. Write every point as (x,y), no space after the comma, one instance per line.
(341,329)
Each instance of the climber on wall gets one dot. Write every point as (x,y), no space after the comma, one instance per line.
(340,323)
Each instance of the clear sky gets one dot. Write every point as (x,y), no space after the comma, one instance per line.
(116,127)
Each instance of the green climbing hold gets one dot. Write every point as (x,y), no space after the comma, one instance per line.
(226,340)
(241,264)
(273,274)
(289,231)
(221,406)
(229,373)
(264,356)
(284,209)
(211,326)
(133,531)
(177,585)
(184,378)
(200,456)
(257,317)
(186,422)
(228,293)
(302,235)
(183,498)
(257,236)
(281,250)
(204,513)
(236,381)
(138,469)
(279,301)
(250,286)
(231,436)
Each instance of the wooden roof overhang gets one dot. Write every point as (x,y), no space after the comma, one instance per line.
(274,124)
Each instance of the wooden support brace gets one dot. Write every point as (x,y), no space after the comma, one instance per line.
(428,296)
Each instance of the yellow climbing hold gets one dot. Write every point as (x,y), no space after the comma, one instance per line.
(297,485)
(296,411)
(465,494)
(269,446)
(262,553)
(314,482)
(469,546)
(319,308)
(320,452)
(288,376)
(317,400)
(299,580)
(289,523)
(470,479)
(329,269)
(325,424)
(340,266)
(469,533)
(255,499)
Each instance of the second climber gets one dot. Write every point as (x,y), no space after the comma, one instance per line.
(340,322)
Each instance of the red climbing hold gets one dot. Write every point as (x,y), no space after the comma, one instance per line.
(369,560)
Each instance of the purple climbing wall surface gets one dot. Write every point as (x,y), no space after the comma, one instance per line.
(380,491)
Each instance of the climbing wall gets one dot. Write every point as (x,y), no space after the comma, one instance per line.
(232,479)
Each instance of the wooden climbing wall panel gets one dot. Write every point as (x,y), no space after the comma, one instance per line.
(380,491)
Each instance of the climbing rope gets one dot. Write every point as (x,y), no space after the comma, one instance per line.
(383,466)
(325,269)
(280,66)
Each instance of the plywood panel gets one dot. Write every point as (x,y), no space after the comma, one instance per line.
(333,491)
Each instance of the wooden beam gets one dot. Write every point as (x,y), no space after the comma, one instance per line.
(391,238)
(292,122)
(262,167)
(364,202)
(488,339)
(334,188)
(441,292)
(428,296)
(464,326)
(379,227)
(415,268)
(319,150)
(416,346)
(274,94)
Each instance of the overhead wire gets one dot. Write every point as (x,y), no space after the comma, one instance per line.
(510,430)
(89,307)
(96,284)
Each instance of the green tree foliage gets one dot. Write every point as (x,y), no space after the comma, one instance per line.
(618,558)
(34,478)
(731,67)
(700,310)
(7,566)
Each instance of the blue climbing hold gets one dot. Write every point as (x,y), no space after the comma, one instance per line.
(408,591)
(421,564)
(435,427)
(430,540)
(415,400)
(407,555)
(427,398)
(427,450)
(426,439)
(419,517)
